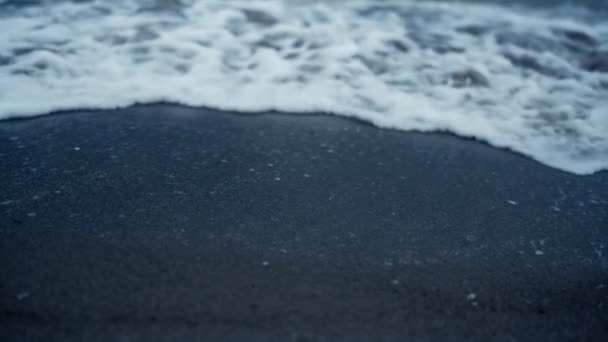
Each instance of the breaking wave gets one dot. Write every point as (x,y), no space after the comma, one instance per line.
(534,81)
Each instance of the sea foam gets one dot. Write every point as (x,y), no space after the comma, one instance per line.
(535,82)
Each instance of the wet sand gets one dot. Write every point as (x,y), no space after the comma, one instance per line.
(167,223)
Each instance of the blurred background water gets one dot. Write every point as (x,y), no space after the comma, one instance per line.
(528,75)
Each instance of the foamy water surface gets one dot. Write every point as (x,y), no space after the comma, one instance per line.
(528,79)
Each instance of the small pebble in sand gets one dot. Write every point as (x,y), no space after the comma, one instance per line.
(23,295)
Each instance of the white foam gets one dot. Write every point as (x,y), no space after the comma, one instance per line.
(513,79)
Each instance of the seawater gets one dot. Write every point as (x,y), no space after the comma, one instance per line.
(530,76)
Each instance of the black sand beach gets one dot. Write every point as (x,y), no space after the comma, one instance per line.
(173,224)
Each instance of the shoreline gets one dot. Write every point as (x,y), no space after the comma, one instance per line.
(148,223)
(188,108)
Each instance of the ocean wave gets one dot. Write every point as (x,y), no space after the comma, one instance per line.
(532,81)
